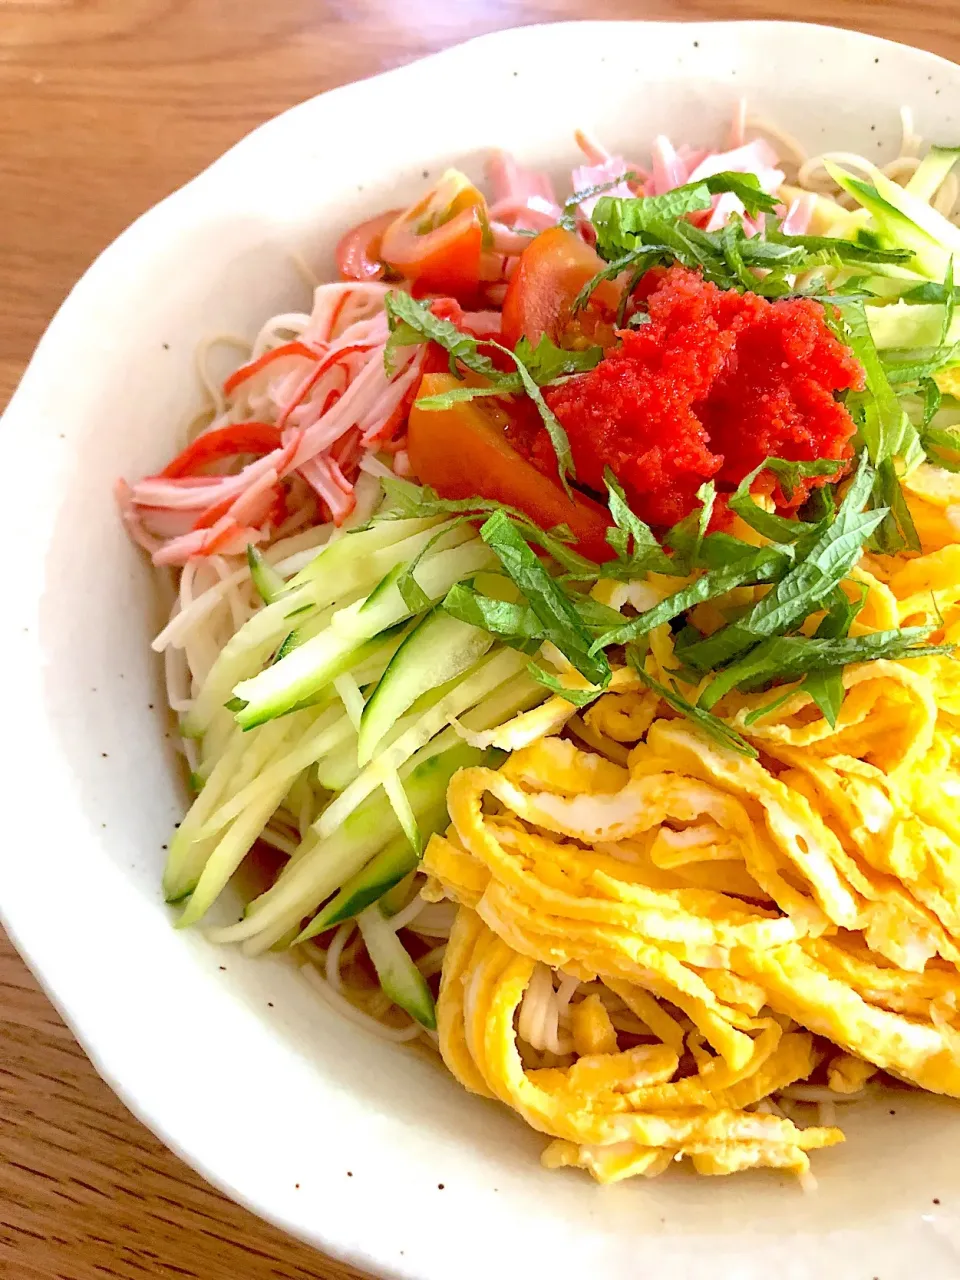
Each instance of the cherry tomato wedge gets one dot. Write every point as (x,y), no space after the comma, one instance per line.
(551,272)
(358,253)
(462,453)
(438,242)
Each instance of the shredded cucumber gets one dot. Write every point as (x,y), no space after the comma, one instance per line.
(341,572)
(903,220)
(342,683)
(910,325)
(270,585)
(306,670)
(324,865)
(240,763)
(387,868)
(440,648)
(490,673)
(932,171)
(399,976)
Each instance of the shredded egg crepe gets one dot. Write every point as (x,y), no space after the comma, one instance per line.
(657,935)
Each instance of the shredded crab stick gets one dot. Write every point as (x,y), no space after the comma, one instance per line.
(301,416)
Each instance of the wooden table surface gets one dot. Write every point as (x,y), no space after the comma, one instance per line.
(105,107)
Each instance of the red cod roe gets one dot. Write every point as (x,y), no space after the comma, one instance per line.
(712,384)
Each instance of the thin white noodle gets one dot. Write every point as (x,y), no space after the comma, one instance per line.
(565,993)
(813,175)
(291,323)
(177,676)
(435,919)
(816,1094)
(212,386)
(405,918)
(333,954)
(528,1023)
(790,148)
(355,1015)
(432,962)
(239,610)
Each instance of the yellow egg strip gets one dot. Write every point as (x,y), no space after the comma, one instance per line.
(798,985)
(888,716)
(625,717)
(801,838)
(559,765)
(484,989)
(607,1164)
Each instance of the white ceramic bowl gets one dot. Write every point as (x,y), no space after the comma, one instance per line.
(277,1103)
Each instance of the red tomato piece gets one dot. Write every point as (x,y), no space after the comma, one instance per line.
(437,243)
(550,273)
(358,253)
(462,452)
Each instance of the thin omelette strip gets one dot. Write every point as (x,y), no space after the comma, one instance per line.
(799,834)
(658,792)
(888,717)
(585,1110)
(805,988)
(885,986)
(909,870)
(619,955)
(706,919)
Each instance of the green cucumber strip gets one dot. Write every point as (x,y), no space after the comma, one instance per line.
(328,737)
(269,584)
(440,648)
(343,554)
(516,695)
(230,851)
(352,565)
(245,651)
(337,771)
(490,673)
(400,804)
(905,221)
(191,847)
(399,976)
(312,666)
(339,768)
(387,868)
(214,742)
(310,626)
(348,691)
(902,325)
(931,172)
(323,866)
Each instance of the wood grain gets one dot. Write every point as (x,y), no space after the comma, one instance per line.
(105,107)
